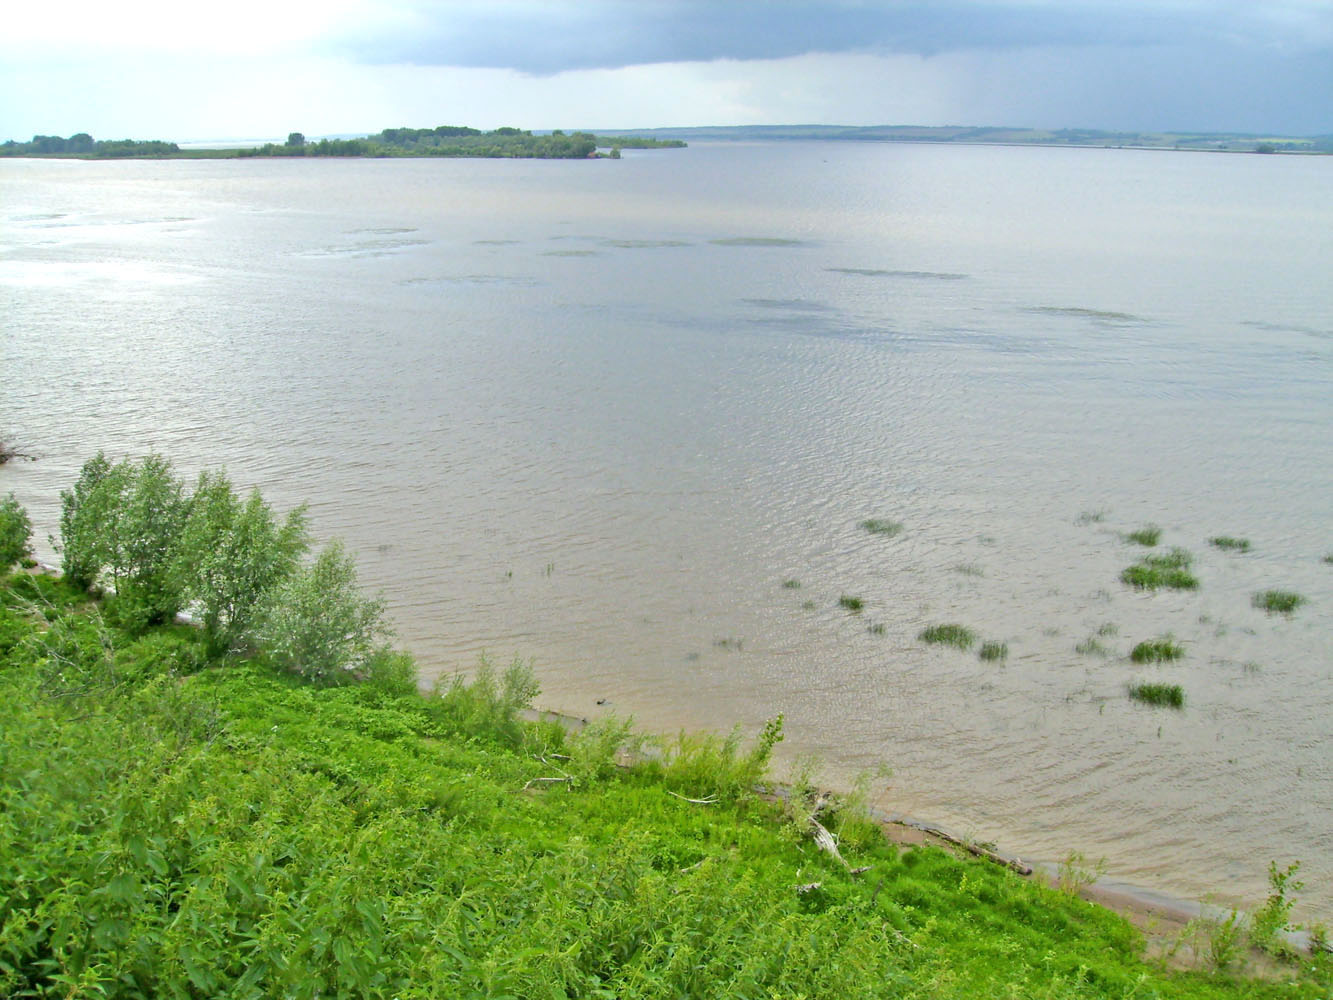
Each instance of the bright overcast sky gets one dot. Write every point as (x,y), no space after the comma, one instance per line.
(179,70)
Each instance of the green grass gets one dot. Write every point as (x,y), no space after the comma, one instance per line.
(1170,570)
(851,603)
(1159,695)
(880,526)
(876,629)
(1329,558)
(176,828)
(1161,650)
(993,650)
(949,635)
(1228,544)
(1278,601)
(1148,535)
(791,584)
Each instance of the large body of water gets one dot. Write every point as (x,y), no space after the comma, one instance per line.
(597,413)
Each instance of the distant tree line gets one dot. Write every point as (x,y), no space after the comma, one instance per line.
(83,145)
(443,140)
(460,140)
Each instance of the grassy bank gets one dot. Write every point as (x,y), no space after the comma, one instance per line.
(178,826)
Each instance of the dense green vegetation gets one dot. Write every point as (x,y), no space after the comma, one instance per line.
(84,145)
(266,806)
(178,826)
(445,140)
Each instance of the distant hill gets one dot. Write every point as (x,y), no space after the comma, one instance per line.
(992,134)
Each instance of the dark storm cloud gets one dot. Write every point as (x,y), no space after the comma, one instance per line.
(554,36)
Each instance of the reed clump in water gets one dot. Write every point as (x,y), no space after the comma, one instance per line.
(1162,650)
(882,526)
(1148,535)
(1278,601)
(1159,695)
(1170,570)
(950,635)
(1229,544)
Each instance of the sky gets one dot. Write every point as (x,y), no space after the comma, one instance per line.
(189,71)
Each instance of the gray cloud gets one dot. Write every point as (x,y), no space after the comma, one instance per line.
(556,36)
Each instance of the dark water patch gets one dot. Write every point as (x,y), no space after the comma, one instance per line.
(758,241)
(1078,312)
(644,244)
(511,281)
(39,217)
(570,253)
(792,305)
(1307,331)
(365,248)
(875,272)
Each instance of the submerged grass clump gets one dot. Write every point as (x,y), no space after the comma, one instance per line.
(1162,650)
(1228,544)
(851,603)
(1278,601)
(950,635)
(882,526)
(1091,646)
(1160,695)
(1148,535)
(993,650)
(791,584)
(1170,570)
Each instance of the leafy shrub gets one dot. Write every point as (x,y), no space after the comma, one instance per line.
(489,704)
(229,554)
(15,532)
(317,623)
(1273,918)
(120,523)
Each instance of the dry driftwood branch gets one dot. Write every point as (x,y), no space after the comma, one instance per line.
(711,800)
(1014,864)
(808,887)
(825,842)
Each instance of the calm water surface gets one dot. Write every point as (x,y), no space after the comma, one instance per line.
(595,414)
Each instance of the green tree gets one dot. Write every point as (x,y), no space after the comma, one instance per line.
(121,522)
(84,523)
(295,139)
(15,532)
(230,554)
(316,622)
